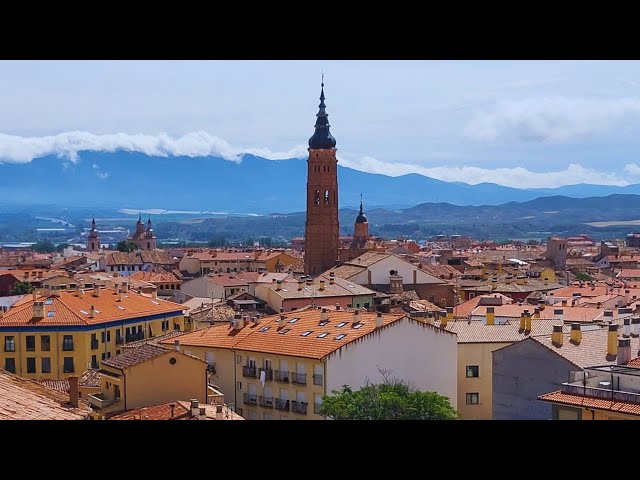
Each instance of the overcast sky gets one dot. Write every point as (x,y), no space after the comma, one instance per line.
(516,123)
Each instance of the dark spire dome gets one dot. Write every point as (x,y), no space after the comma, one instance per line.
(140,219)
(149,222)
(361,217)
(322,138)
(93,223)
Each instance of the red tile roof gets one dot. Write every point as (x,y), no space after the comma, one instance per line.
(181,411)
(134,356)
(590,402)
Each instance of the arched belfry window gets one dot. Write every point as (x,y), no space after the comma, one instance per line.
(326,197)
(317,198)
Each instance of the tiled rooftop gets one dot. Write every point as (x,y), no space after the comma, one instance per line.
(134,356)
(90,378)
(478,332)
(181,411)
(590,402)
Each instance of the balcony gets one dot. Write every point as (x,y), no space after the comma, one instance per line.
(94,344)
(97,400)
(211,368)
(299,378)
(266,402)
(249,371)
(317,379)
(214,396)
(299,407)
(268,373)
(250,399)
(134,337)
(604,393)
(282,404)
(281,376)
(316,408)
(119,340)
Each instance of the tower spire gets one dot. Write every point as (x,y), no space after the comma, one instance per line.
(322,138)
(361,211)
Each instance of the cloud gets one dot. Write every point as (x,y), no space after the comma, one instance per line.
(68,145)
(99,173)
(632,169)
(517,177)
(554,119)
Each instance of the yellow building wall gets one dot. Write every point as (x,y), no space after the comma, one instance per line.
(223,379)
(604,415)
(548,273)
(158,381)
(82,352)
(476,354)
(310,390)
(284,258)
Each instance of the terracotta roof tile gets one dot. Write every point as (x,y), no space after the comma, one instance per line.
(181,411)
(134,356)
(90,378)
(478,332)
(61,386)
(155,277)
(590,402)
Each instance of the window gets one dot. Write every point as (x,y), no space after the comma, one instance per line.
(31,364)
(294,320)
(317,198)
(341,324)
(323,323)
(326,197)
(31,343)
(239,385)
(67,366)
(358,325)
(102,337)
(108,335)
(94,361)
(284,330)
(104,355)
(323,334)
(48,301)
(10,365)
(306,334)
(67,343)
(348,305)
(9,344)
(341,336)
(46,365)
(366,305)
(264,329)
(239,359)
(51,314)
(473,371)
(473,398)
(45,343)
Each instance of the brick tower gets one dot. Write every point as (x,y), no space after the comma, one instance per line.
(93,239)
(321,228)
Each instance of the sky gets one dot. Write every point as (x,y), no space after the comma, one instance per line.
(521,124)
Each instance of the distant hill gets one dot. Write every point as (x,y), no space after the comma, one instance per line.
(254,185)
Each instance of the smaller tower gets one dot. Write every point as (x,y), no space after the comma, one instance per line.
(93,240)
(360,229)
(149,237)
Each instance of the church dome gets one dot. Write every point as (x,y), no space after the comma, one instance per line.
(361,218)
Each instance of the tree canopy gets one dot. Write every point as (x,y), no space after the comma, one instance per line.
(127,246)
(390,400)
(44,246)
(21,288)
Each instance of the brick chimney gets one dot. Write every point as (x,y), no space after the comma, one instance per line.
(443,318)
(612,339)
(279,285)
(332,276)
(379,320)
(557,336)
(34,294)
(324,314)
(536,312)
(96,291)
(635,326)
(449,311)
(300,284)
(219,414)
(38,309)
(624,351)
(74,394)
(576,333)
(321,284)
(92,311)
(626,327)
(356,316)
(523,321)
(527,318)
(491,316)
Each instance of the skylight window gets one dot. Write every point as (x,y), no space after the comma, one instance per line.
(351,286)
(341,324)
(264,329)
(306,334)
(48,301)
(323,323)
(294,319)
(358,325)
(341,336)
(98,311)
(121,308)
(51,314)
(284,330)
(154,302)
(82,311)
(323,334)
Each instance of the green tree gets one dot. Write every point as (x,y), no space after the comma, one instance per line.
(584,277)
(391,400)
(61,247)
(127,246)
(44,246)
(21,288)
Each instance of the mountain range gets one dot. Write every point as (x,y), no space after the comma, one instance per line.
(253,185)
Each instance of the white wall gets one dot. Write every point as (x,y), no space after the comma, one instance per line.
(380,272)
(416,353)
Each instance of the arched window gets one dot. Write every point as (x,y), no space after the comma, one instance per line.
(326,197)
(317,197)
(148,245)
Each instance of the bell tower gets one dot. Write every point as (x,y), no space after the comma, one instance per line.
(93,239)
(321,228)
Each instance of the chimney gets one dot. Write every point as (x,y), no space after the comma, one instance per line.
(172,406)
(202,413)
(279,285)
(491,316)
(337,306)
(536,312)
(38,309)
(635,326)
(443,319)
(609,314)
(55,290)
(449,311)
(120,294)
(599,305)
(558,313)
(281,320)
(219,414)
(300,284)
(1,312)
(176,345)
(92,311)
(624,351)
(557,336)
(34,294)
(332,276)
(612,339)
(73,391)
(324,315)
(77,292)
(527,318)
(564,302)
(576,333)
(321,284)
(96,291)
(523,321)
(356,316)
(154,293)
(626,327)
(195,407)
